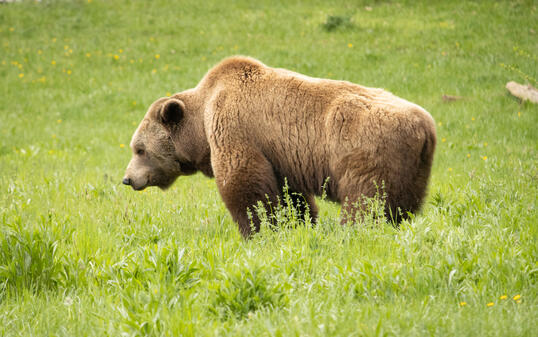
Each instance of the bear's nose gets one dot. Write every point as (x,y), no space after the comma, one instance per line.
(126,181)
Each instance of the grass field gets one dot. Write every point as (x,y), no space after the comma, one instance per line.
(81,254)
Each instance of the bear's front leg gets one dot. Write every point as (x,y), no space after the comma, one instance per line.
(244,180)
(302,203)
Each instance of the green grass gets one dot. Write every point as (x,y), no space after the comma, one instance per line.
(80,254)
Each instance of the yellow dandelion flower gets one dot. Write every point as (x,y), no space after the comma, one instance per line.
(69,72)
(450,169)
(154,71)
(21,75)
(122,145)
(440,123)
(88,55)
(519,113)
(517,297)
(66,47)
(116,57)
(11,29)
(54,40)
(121,51)
(518,301)
(472,118)
(39,52)
(490,304)
(168,94)
(157,56)
(468,155)
(131,61)
(70,51)
(443,140)
(134,103)
(350,45)
(53,136)
(503,297)
(53,62)
(485,143)
(485,158)
(59,121)
(462,304)
(51,151)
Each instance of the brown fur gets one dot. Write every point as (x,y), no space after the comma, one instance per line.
(253,127)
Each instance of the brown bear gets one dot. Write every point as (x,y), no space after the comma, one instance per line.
(256,128)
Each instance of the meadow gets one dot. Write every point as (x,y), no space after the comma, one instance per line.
(83,255)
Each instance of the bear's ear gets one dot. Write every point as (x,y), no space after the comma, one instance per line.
(172,111)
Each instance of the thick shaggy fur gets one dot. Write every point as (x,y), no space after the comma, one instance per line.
(253,127)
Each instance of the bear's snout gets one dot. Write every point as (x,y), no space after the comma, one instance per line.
(126,181)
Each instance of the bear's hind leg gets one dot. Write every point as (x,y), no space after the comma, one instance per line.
(363,175)
(358,194)
(353,195)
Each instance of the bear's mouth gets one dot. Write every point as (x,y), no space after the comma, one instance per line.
(160,180)
(139,188)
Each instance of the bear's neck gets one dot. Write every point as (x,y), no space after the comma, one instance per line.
(205,166)
(200,150)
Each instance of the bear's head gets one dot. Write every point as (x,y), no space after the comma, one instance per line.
(162,146)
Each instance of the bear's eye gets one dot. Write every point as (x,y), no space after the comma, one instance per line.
(140,152)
